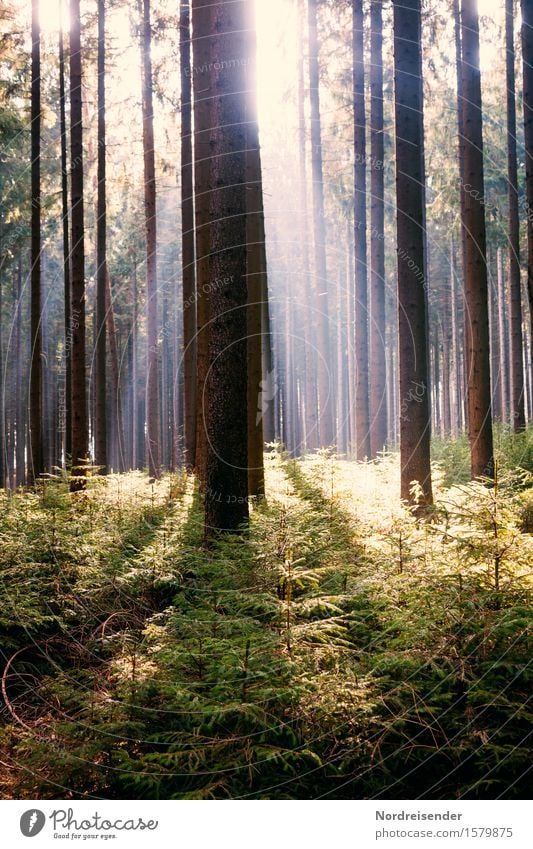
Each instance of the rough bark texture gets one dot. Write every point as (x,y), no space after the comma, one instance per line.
(226,487)
(100,423)
(362,418)
(153,435)
(325,381)
(474,251)
(527,58)
(378,374)
(187,241)
(80,432)
(415,421)
(36,446)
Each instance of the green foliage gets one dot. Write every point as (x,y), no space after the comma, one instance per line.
(309,658)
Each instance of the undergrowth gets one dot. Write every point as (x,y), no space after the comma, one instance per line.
(312,657)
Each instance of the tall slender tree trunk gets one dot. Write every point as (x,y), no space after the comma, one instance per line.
(19,400)
(80,431)
(515,285)
(415,419)
(259,385)
(203,124)
(527,98)
(377,375)
(309,288)
(36,463)
(100,429)
(503,336)
(361,293)
(187,240)
(325,383)
(455,359)
(65,396)
(118,419)
(226,489)
(474,251)
(153,435)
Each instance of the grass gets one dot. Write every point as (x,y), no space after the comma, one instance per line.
(338,649)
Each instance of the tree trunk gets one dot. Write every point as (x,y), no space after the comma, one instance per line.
(259,385)
(201,32)
(309,288)
(325,384)
(66,392)
(415,420)
(153,436)
(19,400)
(115,374)
(527,59)
(474,251)
(515,284)
(36,463)
(361,296)
(377,377)
(226,489)
(100,423)
(187,241)
(80,432)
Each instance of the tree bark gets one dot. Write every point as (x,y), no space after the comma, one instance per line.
(474,251)
(80,432)
(362,424)
(259,385)
(415,420)
(325,383)
(187,241)
(65,394)
(36,435)
(226,489)
(203,123)
(527,98)
(153,435)
(515,284)
(100,423)
(377,388)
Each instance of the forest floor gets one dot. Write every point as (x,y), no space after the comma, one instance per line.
(338,649)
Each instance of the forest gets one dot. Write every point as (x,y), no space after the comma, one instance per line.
(266,399)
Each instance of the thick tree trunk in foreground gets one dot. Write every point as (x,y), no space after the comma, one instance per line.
(36,443)
(80,431)
(153,435)
(362,420)
(474,252)
(226,485)
(378,373)
(415,421)
(100,423)
(188,366)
